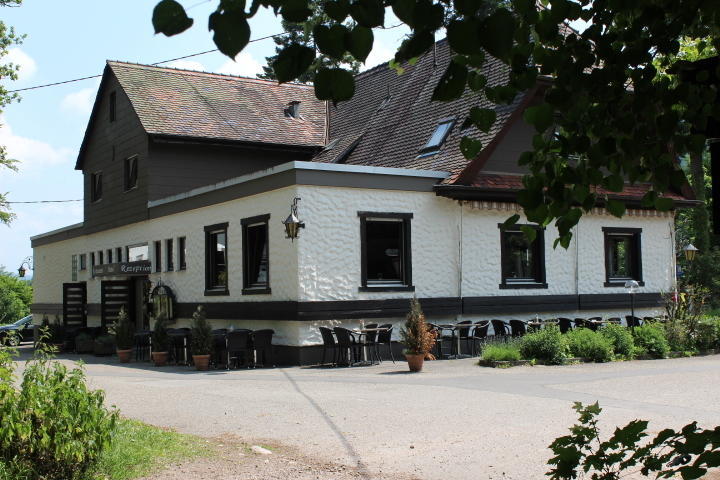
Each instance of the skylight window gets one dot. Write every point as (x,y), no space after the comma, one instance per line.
(439,135)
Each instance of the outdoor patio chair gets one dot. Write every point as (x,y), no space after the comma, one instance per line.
(370,342)
(633,321)
(479,336)
(650,319)
(615,320)
(328,344)
(179,345)
(580,323)
(347,346)
(518,328)
(565,324)
(239,347)
(219,347)
(262,345)
(594,323)
(463,333)
(501,330)
(385,338)
(142,345)
(437,331)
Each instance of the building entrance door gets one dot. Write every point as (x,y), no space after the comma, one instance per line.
(114,294)
(141,294)
(75,304)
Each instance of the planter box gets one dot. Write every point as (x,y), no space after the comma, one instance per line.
(504,363)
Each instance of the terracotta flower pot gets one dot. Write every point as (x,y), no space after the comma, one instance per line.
(201,361)
(415,362)
(124,355)
(160,358)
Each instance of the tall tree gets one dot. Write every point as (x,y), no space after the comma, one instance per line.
(8,71)
(606,116)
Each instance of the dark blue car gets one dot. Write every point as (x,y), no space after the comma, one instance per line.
(23,330)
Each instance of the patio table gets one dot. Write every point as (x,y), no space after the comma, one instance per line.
(364,331)
(455,338)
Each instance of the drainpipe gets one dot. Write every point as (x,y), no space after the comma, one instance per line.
(460,256)
(577,261)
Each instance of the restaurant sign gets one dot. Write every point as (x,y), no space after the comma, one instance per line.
(143,267)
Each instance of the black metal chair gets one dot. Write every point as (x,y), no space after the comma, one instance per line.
(580,323)
(347,345)
(501,330)
(615,320)
(239,347)
(437,332)
(633,321)
(142,345)
(462,333)
(385,338)
(594,323)
(479,335)
(262,345)
(370,342)
(219,347)
(518,328)
(565,324)
(328,344)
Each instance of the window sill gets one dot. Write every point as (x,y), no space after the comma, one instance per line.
(387,288)
(216,292)
(621,283)
(127,190)
(511,286)
(257,291)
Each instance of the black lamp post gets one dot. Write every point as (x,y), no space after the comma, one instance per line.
(21,270)
(292,223)
(631,286)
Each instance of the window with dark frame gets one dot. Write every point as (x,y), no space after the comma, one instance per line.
(158,255)
(92,263)
(83,261)
(623,256)
(438,137)
(74,267)
(522,261)
(385,251)
(216,260)
(130,172)
(136,253)
(113,106)
(96,185)
(256,255)
(181,254)
(169,260)
(109,255)
(100,258)
(118,254)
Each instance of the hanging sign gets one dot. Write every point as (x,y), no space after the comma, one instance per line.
(143,267)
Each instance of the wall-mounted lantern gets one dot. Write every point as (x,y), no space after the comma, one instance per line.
(21,270)
(690,252)
(292,223)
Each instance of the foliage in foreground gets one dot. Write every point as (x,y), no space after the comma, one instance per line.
(15,297)
(689,452)
(53,427)
(547,345)
(502,352)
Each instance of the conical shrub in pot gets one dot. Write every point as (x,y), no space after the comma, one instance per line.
(200,339)
(124,332)
(416,337)
(160,341)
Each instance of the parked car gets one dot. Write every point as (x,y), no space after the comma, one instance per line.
(23,328)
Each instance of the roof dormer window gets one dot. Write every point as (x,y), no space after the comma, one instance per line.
(293,109)
(438,137)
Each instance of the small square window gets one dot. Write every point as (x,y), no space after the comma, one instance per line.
(100,258)
(83,261)
(131,172)
(96,185)
(182,254)
(623,257)
(523,261)
(385,257)
(216,262)
(169,260)
(438,137)
(256,257)
(136,253)
(158,256)
(118,254)
(109,255)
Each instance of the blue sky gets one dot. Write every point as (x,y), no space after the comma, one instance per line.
(67,40)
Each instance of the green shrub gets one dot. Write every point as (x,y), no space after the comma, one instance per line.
(124,330)
(548,345)
(620,338)
(502,352)
(585,343)
(200,333)
(53,427)
(677,335)
(651,340)
(708,334)
(160,338)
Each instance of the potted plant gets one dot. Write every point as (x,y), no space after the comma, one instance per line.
(200,339)
(84,343)
(57,334)
(104,345)
(417,339)
(160,341)
(124,333)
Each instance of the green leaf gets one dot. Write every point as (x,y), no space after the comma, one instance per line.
(452,84)
(468,7)
(331,40)
(510,221)
(169,18)
(419,43)
(614,183)
(338,10)
(463,36)
(470,147)
(334,84)
(403,10)
(368,13)
(476,81)
(530,232)
(360,42)
(231,31)
(615,207)
(497,32)
(293,61)
(296,11)
(483,118)
(541,116)
(664,204)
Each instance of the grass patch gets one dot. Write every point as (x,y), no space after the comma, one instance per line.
(139,449)
(502,352)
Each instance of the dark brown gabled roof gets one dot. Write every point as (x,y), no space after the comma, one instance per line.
(394,117)
(207,105)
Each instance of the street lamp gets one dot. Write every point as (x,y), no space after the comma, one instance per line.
(690,252)
(632,286)
(21,270)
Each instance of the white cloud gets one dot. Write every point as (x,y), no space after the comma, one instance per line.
(186,65)
(28,67)
(29,152)
(379,54)
(244,65)
(80,102)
